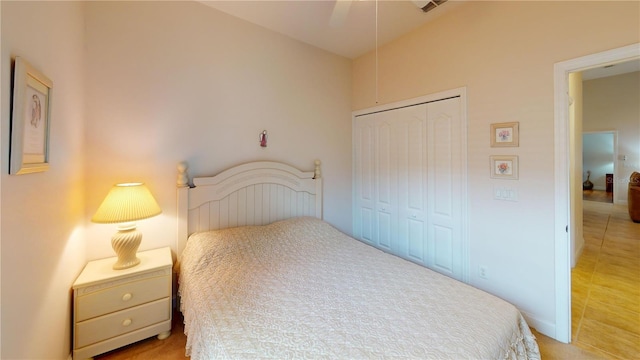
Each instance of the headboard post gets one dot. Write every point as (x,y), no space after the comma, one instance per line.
(318,180)
(317,173)
(183,207)
(183,176)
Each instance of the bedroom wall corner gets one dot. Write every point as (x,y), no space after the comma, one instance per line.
(167,83)
(41,227)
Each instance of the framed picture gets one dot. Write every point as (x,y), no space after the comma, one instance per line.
(504,134)
(30,120)
(504,167)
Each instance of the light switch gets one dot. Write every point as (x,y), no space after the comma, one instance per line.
(505,193)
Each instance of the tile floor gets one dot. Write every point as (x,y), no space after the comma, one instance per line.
(597,195)
(606,284)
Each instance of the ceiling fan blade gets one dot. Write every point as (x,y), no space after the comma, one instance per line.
(339,13)
(428,5)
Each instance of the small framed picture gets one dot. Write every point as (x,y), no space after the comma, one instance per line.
(504,167)
(504,134)
(30,120)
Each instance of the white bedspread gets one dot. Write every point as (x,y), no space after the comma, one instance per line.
(300,289)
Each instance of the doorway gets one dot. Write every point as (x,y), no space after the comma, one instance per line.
(565,225)
(599,166)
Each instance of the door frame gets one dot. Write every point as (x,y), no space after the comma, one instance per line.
(563,212)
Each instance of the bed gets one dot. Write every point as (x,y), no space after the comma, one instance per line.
(261,275)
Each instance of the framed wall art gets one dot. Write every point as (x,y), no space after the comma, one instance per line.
(504,134)
(30,120)
(504,167)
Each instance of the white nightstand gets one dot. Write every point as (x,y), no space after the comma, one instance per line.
(113,308)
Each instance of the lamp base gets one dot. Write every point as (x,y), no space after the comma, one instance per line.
(125,243)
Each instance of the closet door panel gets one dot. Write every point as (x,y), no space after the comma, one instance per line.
(416,240)
(366,230)
(412,176)
(384,236)
(386,181)
(364,181)
(443,249)
(408,183)
(445,179)
(443,169)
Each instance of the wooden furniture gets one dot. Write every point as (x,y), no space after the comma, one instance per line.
(113,308)
(609,183)
(633,197)
(256,193)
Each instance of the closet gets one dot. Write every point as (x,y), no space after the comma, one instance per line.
(409,183)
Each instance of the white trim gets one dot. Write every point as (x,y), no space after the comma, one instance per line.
(542,326)
(562,209)
(465,186)
(460,92)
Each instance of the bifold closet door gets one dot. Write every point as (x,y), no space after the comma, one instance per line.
(411,134)
(363,178)
(376,182)
(390,181)
(407,182)
(445,181)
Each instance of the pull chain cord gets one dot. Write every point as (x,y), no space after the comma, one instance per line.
(376,70)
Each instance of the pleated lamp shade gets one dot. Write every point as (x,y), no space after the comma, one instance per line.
(127,202)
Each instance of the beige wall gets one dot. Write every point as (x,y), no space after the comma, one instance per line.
(171,81)
(612,104)
(504,53)
(43,247)
(166,82)
(159,82)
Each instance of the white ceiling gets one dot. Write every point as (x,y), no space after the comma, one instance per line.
(611,70)
(310,21)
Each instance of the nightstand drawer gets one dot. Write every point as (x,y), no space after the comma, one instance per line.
(108,326)
(121,297)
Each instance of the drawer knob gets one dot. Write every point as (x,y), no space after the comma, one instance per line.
(127,322)
(126,297)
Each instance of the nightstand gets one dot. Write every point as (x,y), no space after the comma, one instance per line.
(113,308)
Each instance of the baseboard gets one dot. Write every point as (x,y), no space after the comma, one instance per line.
(544,327)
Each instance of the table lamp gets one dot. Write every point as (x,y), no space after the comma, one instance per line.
(125,204)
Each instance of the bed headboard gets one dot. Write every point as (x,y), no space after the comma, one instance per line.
(256,193)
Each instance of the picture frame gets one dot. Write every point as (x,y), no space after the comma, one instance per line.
(505,134)
(30,119)
(504,167)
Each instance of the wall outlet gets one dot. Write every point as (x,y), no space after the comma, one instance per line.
(483,272)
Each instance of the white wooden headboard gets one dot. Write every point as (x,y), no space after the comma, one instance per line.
(256,193)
